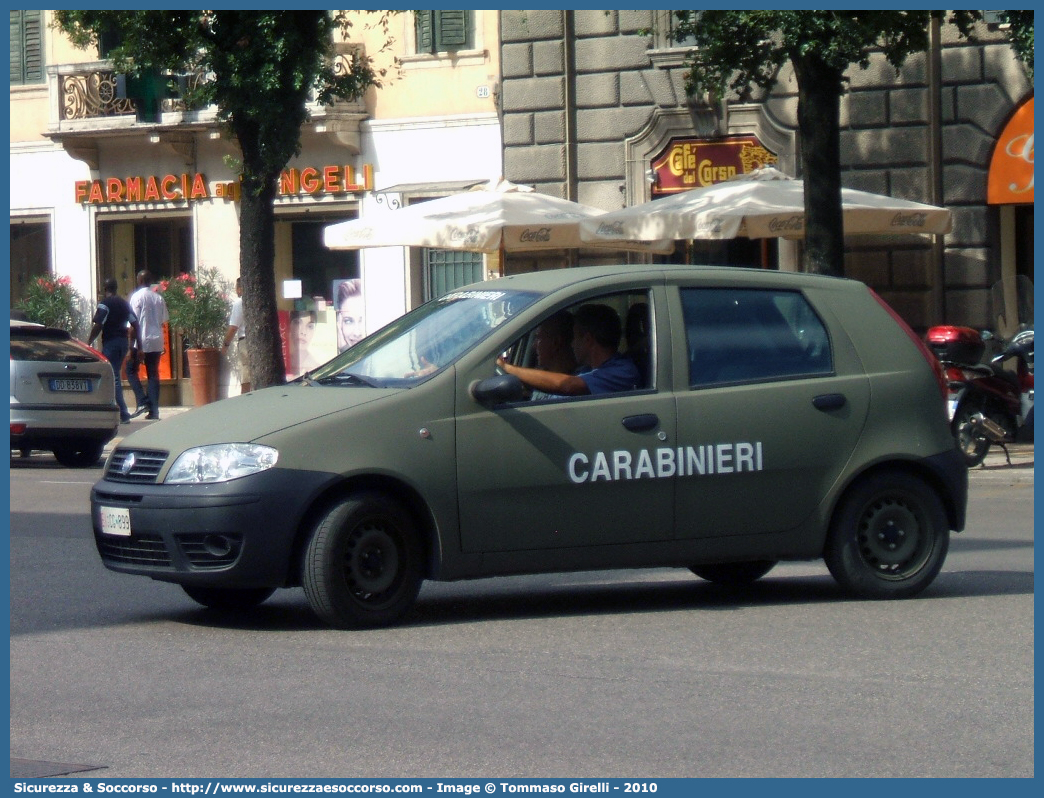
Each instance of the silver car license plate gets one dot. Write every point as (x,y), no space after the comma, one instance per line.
(70,385)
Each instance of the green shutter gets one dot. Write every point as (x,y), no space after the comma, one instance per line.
(27,55)
(425,40)
(452,29)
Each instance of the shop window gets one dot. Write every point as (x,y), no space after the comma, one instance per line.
(30,256)
(443,31)
(27,53)
(316,266)
(447,269)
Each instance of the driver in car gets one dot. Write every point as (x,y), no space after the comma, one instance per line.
(596,340)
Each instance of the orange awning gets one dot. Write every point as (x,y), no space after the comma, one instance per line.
(1011,168)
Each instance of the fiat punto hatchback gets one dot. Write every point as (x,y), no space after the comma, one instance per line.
(766,417)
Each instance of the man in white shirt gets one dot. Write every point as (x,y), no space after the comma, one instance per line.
(237,330)
(151,312)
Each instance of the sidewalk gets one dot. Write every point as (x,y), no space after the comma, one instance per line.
(1021,455)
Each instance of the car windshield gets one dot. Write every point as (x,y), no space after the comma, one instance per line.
(423,341)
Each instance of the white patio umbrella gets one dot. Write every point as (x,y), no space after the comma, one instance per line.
(498,216)
(764,203)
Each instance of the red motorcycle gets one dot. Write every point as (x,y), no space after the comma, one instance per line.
(987,404)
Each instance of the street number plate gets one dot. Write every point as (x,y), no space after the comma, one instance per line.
(66,385)
(115,521)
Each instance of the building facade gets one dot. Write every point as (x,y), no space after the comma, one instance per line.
(103,186)
(595,109)
(587,105)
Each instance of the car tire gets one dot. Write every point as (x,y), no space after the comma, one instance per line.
(228,598)
(733,574)
(78,454)
(363,566)
(889,537)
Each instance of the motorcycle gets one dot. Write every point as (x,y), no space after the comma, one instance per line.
(987,404)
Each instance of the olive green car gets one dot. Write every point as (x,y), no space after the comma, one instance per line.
(778,417)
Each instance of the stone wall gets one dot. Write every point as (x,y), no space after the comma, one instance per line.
(573,111)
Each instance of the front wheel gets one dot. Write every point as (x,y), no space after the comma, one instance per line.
(971,440)
(888,538)
(364,563)
(228,598)
(733,574)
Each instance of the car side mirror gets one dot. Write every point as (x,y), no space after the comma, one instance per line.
(498,390)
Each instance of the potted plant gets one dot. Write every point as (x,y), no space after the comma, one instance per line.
(198,307)
(53,302)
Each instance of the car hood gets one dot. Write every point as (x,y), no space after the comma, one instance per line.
(251,416)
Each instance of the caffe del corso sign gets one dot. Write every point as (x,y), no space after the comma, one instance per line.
(1011,167)
(330,180)
(687,163)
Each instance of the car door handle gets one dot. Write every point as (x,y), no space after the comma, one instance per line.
(829,401)
(641,423)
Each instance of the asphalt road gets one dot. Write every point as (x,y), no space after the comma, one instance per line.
(624,674)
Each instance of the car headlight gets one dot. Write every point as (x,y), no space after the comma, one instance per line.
(221,462)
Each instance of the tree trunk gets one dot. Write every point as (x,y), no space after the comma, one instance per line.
(257,269)
(819,109)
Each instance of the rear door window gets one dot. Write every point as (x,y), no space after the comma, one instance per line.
(752,335)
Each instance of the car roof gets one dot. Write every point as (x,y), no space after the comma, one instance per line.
(555,279)
(28,329)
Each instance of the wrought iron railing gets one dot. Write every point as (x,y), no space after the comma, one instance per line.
(90,95)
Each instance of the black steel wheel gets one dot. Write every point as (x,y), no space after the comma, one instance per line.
(364,563)
(78,454)
(228,598)
(733,574)
(889,537)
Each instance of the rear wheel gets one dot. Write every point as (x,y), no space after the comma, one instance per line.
(889,537)
(733,574)
(364,564)
(228,598)
(78,454)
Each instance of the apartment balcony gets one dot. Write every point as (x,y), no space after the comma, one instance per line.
(90,107)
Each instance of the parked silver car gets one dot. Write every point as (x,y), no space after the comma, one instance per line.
(63,395)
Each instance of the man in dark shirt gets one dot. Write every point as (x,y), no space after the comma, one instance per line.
(596,337)
(113,319)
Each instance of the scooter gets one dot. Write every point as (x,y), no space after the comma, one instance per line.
(987,405)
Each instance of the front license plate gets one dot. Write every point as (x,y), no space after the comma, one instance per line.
(66,385)
(115,521)
(951,407)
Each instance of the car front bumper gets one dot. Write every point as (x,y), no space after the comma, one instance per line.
(236,534)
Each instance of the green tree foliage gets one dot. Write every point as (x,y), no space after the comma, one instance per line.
(265,66)
(1021,35)
(738,50)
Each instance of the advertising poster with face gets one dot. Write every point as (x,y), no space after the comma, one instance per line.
(350,318)
(308,335)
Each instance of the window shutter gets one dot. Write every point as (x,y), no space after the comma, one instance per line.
(425,38)
(27,55)
(452,29)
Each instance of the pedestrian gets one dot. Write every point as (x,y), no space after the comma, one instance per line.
(114,319)
(237,330)
(151,311)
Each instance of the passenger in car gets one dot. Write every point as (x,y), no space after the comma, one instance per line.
(596,339)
